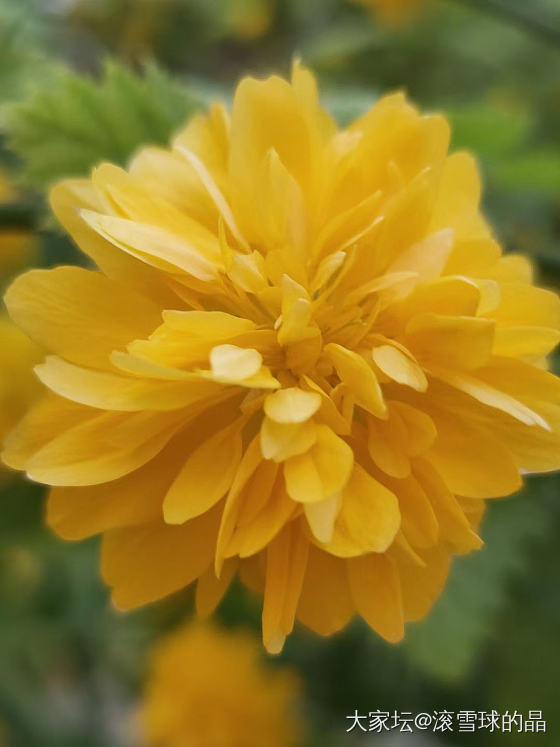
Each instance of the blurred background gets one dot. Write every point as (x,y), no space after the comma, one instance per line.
(85,80)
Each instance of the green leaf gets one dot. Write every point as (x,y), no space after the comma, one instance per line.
(488,130)
(66,129)
(447,644)
(535,171)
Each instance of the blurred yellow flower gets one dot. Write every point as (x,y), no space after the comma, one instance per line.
(393,11)
(248,19)
(209,688)
(304,359)
(17,246)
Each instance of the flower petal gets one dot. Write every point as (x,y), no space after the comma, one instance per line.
(471,461)
(213,325)
(291,405)
(525,341)
(320,472)
(376,591)
(142,564)
(400,367)
(359,377)
(68,199)
(103,448)
(153,245)
(427,257)
(280,441)
(234,363)
(419,521)
(420,429)
(387,445)
(206,476)
(422,584)
(368,520)
(63,307)
(136,498)
(109,391)
(522,304)
(210,590)
(325,604)
(286,561)
(253,536)
(321,516)
(453,523)
(492,397)
(454,341)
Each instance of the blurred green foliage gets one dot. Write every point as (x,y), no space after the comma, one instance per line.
(70,667)
(69,127)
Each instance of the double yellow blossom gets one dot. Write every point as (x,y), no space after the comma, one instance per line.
(304,359)
(209,688)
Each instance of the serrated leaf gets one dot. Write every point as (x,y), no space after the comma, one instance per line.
(77,122)
(447,644)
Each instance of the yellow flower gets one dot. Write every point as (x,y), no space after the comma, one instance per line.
(393,12)
(304,359)
(209,688)
(19,386)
